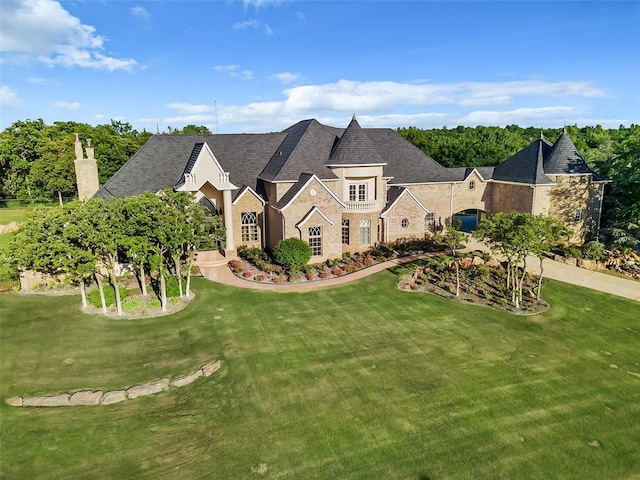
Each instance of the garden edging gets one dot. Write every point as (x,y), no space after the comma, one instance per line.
(87,397)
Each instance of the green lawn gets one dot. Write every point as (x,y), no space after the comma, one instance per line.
(361,381)
(8,215)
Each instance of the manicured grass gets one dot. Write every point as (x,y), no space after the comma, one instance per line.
(8,215)
(362,381)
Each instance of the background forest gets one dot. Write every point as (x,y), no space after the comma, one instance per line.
(36,159)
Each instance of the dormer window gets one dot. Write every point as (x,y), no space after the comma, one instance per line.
(358,192)
(472,184)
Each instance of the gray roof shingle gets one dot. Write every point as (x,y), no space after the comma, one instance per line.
(564,158)
(354,147)
(526,166)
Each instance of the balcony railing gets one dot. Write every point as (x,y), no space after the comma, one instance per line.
(224,177)
(362,207)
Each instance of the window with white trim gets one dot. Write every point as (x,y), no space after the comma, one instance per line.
(405,223)
(358,192)
(578,216)
(472,184)
(430,222)
(345,232)
(249,222)
(315,241)
(365,232)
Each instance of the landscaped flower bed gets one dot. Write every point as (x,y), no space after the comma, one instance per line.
(482,282)
(256,265)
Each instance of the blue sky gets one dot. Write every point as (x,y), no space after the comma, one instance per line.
(262,65)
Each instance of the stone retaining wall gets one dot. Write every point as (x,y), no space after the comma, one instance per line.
(99,397)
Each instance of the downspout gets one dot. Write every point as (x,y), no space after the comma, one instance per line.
(533,200)
(451,204)
(600,210)
(264,226)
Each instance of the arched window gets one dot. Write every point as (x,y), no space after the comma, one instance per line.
(405,223)
(249,222)
(472,184)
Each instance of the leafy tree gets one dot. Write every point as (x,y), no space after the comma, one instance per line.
(546,232)
(455,239)
(191,129)
(512,234)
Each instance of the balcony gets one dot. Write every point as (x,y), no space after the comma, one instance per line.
(362,207)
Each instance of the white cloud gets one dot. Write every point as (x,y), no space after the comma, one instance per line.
(246,24)
(8,96)
(285,77)
(189,108)
(261,3)
(140,12)
(37,80)
(43,31)
(520,116)
(99,116)
(267,29)
(234,71)
(66,105)
(189,119)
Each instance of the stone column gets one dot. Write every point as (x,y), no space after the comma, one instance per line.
(230,247)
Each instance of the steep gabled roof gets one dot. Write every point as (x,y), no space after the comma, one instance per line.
(564,158)
(526,166)
(354,148)
(307,145)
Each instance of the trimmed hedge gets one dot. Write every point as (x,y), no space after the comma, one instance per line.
(292,252)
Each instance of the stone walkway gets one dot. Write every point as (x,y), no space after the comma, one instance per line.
(558,271)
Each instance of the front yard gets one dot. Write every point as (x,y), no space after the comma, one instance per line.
(360,381)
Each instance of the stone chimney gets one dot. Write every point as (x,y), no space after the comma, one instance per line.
(86,171)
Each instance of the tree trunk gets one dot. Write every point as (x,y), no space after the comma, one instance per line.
(188,283)
(114,282)
(521,281)
(163,291)
(60,197)
(102,300)
(143,282)
(457,278)
(539,281)
(176,263)
(83,293)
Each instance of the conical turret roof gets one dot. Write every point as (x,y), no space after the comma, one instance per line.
(354,147)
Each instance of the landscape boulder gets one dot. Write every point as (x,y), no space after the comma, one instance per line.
(86,397)
(210,368)
(477,261)
(115,396)
(139,391)
(14,401)
(187,379)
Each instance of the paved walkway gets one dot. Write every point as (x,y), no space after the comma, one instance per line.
(558,271)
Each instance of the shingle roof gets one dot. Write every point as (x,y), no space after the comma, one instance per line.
(354,147)
(304,150)
(564,158)
(293,191)
(526,166)
(161,162)
(406,163)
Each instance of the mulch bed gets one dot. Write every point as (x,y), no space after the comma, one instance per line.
(479,285)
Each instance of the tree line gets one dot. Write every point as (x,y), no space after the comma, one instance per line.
(83,242)
(612,153)
(36,159)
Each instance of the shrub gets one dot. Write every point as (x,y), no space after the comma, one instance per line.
(247,274)
(251,254)
(154,303)
(278,279)
(109,296)
(236,266)
(368,261)
(261,277)
(292,252)
(309,276)
(325,274)
(294,277)
(338,272)
(131,304)
(594,251)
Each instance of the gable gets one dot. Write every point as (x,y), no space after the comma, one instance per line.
(398,198)
(203,167)
(314,213)
(310,184)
